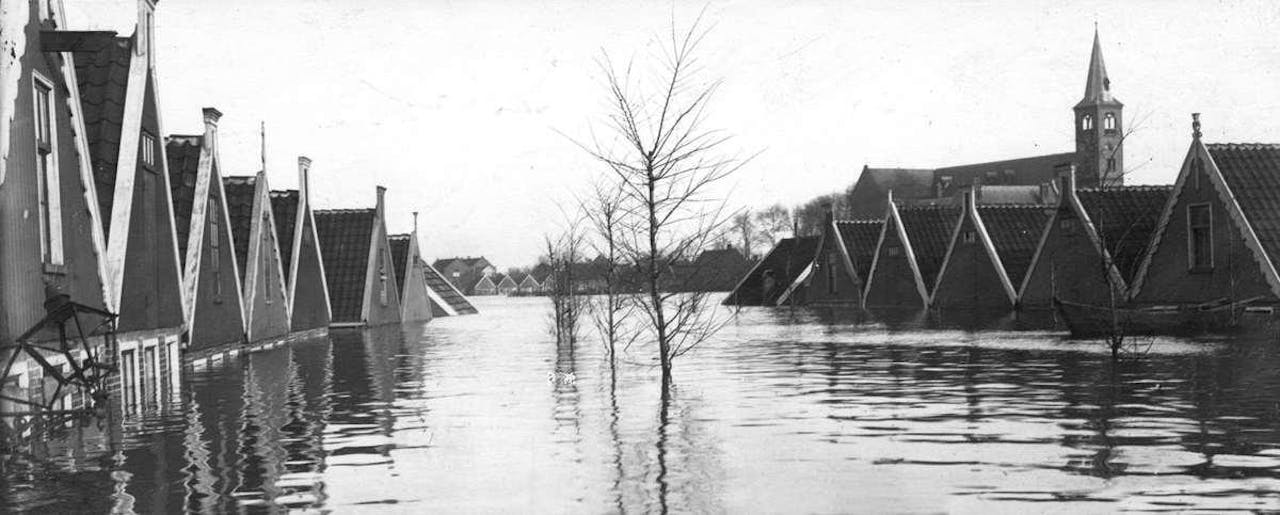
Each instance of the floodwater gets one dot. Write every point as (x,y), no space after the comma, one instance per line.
(783,412)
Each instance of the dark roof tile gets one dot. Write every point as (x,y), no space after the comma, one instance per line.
(345,235)
(284,209)
(1126,218)
(860,240)
(1015,232)
(446,291)
(183,154)
(239,192)
(786,261)
(399,256)
(1252,171)
(929,229)
(102,74)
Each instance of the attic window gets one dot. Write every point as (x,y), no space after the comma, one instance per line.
(215,248)
(969,237)
(1067,224)
(1199,237)
(893,251)
(148,151)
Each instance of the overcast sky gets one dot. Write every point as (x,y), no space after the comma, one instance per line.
(460,108)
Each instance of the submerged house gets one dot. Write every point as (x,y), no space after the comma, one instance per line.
(1218,239)
(465,272)
(415,304)
(529,285)
(51,239)
(309,307)
(358,265)
(913,244)
(779,277)
(989,252)
(445,299)
(211,278)
(843,260)
(119,104)
(253,228)
(504,284)
(1093,244)
(485,286)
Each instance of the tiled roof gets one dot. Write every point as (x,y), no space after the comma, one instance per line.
(103,76)
(284,209)
(929,229)
(345,235)
(1024,171)
(239,192)
(446,291)
(869,195)
(1015,232)
(787,259)
(1125,217)
(399,255)
(860,239)
(1252,171)
(183,154)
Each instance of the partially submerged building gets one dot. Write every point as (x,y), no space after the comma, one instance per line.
(415,304)
(358,265)
(485,286)
(843,260)
(779,277)
(988,255)
(215,308)
(1093,244)
(446,300)
(465,272)
(913,244)
(301,256)
(253,228)
(1218,239)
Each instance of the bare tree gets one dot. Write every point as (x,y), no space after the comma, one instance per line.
(611,312)
(772,222)
(563,256)
(744,226)
(667,165)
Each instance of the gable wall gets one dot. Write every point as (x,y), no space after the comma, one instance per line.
(830,281)
(893,283)
(417,307)
(1235,274)
(22,276)
(309,310)
(1069,267)
(217,319)
(270,315)
(383,278)
(970,279)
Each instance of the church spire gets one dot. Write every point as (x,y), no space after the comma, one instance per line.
(1097,87)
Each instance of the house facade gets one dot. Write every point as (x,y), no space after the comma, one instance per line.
(504,284)
(253,228)
(1217,239)
(303,262)
(415,303)
(51,240)
(913,244)
(989,252)
(843,260)
(485,286)
(215,309)
(358,265)
(529,285)
(465,272)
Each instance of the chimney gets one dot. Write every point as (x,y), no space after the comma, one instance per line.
(211,117)
(971,197)
(382,193)
(415,222)
(1066,174)
(304,179)
(146,30)
(1195,126)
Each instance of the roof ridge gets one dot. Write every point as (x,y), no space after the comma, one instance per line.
(346,210)
(1269,146)
(1132,187)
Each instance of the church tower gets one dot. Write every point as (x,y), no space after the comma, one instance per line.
(1099,128)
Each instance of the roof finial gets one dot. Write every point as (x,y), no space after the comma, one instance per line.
(262,127)
(1195,125)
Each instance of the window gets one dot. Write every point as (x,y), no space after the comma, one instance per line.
(1109,122)
(47,178)
(148,151)
(264,250)
(128,376)
(215,248)
(831,273)
(893,251)
(1086,122)
(969,237)
(1067,225)
(382,279)
(1200,237)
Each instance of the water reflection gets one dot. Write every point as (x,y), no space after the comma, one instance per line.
(786,411)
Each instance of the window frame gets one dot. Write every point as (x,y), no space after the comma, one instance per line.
(969,236)
(48,174)
(1192,265)
(147,151)
(1086,122)
(1110,123)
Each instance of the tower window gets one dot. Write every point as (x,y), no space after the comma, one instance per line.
(1109,122)
(1086,122)
(1199,237)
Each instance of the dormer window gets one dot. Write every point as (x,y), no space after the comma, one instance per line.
(1086,122)
(148,151)
(1109,122)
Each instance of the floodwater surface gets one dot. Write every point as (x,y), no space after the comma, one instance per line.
(782,411)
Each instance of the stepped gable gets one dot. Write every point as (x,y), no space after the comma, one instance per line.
(1252,173)
(446,291)
(183,156)
(284,208)
(1125,218)
(345,235)
(1015,232)
(860,240)
(102,75)
(239,192)
(929,231)
(399,255)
